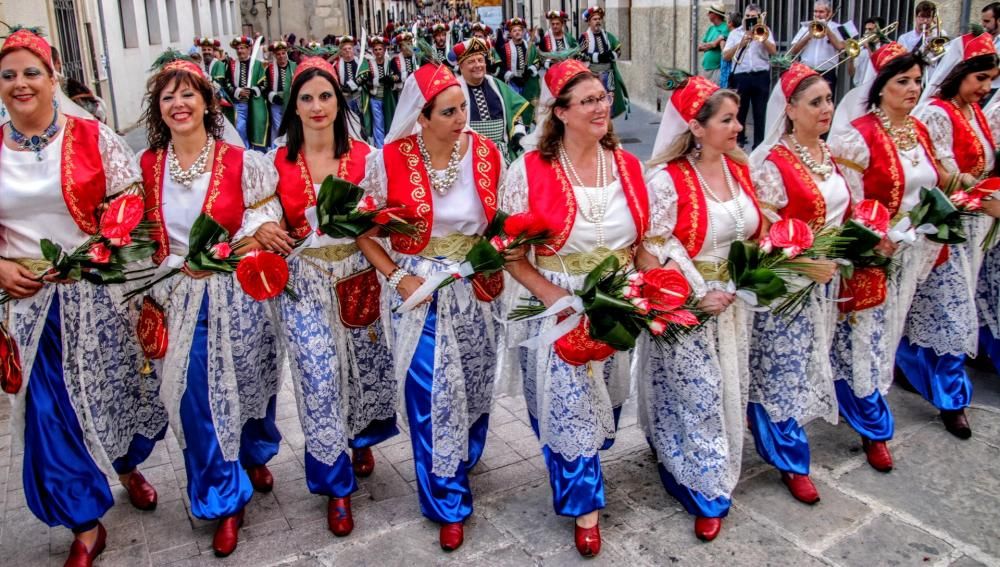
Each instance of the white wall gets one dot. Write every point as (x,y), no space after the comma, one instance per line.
(129,67)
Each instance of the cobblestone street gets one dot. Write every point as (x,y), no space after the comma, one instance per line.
(940,506)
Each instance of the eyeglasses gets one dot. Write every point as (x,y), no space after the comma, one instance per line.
(591,103)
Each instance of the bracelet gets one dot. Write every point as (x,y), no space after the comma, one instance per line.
(397,276)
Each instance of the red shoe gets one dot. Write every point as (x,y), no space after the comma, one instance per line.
(452,536)
(260,478)
(878,454)
(141,494)
(588,540)
(707,528)
(227,534)
(363,462)
(801,487)
(79,556)
(338,516)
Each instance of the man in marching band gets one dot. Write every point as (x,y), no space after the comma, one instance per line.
(601,50)
(817,51)
(279,84)
(555,39)
(405,62)
(378,98)
(346,65)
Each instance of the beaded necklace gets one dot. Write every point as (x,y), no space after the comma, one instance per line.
(38,142)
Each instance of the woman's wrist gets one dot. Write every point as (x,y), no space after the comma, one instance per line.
(396,276)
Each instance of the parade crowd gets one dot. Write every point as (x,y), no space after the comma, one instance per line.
(407,226)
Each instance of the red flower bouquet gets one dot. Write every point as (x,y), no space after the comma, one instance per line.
(972,201)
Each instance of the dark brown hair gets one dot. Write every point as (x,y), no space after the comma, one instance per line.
(554,129)
(949,87)
(157,131)
(898,66)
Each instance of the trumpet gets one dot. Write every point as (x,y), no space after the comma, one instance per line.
(853,47)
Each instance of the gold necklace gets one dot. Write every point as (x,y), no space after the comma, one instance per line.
(905,137)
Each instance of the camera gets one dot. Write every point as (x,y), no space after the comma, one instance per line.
(750,22)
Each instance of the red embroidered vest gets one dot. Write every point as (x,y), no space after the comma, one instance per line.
(886,181)
(84,183)
(295,182)
(805,200)
(223,201)
(409,185)
(967,147)
(692,207)
(551,198)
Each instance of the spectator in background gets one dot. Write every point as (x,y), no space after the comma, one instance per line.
(820,53)
(751,77)
(991,23)
(712,42)
(733,21)
(859,66)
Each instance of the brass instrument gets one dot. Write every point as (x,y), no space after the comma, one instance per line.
(817,29)
(758,33)
(853,47)
(937,44)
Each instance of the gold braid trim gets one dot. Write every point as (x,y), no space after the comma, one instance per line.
(264,201)
(453,247)
(850,164)
(713,271)
(579,263)
(332,253)
(36,265)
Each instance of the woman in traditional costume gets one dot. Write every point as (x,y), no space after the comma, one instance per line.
(445,347)
(590,195)
(84,410)
(791,379)
(885,155)
(220,370)
(692,397)
(339,358)
(943,325)
(988,287)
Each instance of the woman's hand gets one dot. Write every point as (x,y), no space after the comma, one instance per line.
(991,207)
(823,271)
(409,285)
(515,254)
(196,274)
(886,247)
(274,238)
(716,302)
(17,280)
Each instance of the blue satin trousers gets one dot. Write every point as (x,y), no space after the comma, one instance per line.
(940,379)
(696,503)
(870,416)
(783,445)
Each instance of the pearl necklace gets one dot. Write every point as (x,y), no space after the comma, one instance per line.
(186,177)
(735,192)
(905,137)
(822,170)
(441,180)
(597,197)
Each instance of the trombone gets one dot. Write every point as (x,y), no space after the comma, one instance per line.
(758,33)
(853,47)
(936,45)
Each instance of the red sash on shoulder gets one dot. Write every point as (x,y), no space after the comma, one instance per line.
(223,201)
(805,200)
(410,187)
(886,182)
(551,198)
(295,183)
(692,208)
(970,155)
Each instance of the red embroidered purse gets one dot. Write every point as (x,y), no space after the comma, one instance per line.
(152,329)
(487,288)
(577,347)
(10,362)
(358,296)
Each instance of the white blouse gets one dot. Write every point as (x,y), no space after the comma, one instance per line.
(618,224)
(181,207)
(722,226)
(460,210)
(940,127)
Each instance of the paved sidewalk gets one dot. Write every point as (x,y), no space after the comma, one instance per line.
(940,506)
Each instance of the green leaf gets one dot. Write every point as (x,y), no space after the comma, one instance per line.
(495,227)
(484,257)
(138,250)
(612,330)
(51,251)
(610,264)
(206,232)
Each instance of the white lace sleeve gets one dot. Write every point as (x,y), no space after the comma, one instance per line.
(515,194)
(993,119)
(940,127)
(259,182)
(851,153)
(659,239)
(376,183)
(770,188)
(121,166)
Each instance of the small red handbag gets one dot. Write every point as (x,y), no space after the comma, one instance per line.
(865,289)
(358,296)
(577,347)
(487,288)
(10,362)
(152,329)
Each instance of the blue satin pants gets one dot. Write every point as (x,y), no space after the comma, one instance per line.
(62,484)
(940,379)
(216,487)
(990,345)
(696,503)
(869,416)
(337,480)
(443,500)
(578,484)
(783,445)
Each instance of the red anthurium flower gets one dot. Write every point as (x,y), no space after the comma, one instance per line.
(666,289)
(986,187)
(791,235)
(872,214)
(123,214)
(99,253)
(389,214)
(367,204)
(221,251)
(681,317)
(525,225)
(262,274)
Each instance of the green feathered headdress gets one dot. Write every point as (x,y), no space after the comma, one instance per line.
(563,55)
(427,53)
(315,50)
(37,30)
(167,57)
(671,79)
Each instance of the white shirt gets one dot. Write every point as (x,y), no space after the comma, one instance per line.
(181,207)
(460,210)
(837,197)
(32,206)
(921,175)
(722,224)
(818,50)
(911,39)
(618,224)
(756,57)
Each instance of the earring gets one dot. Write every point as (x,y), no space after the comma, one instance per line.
(697,150)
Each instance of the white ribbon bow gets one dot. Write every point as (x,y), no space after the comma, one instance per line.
(572,302)
(432,282)
(312,217)
(904,232)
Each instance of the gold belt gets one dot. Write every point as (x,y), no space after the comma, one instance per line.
(713,271)
(578,263)
(36,265)
(453,247)
(332,253)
